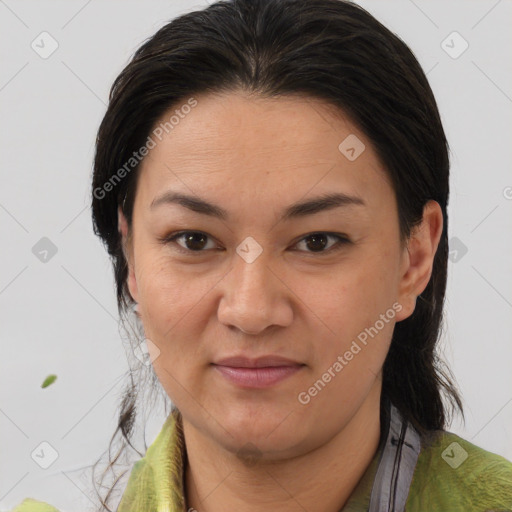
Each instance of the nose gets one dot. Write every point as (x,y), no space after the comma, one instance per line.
(254,297)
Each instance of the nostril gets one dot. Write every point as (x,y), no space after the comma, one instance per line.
(247,332)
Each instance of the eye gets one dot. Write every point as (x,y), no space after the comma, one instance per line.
(319,242)
(191,241)
(197,242)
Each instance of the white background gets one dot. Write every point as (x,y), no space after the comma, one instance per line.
(60,316)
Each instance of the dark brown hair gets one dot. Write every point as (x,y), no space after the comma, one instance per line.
(327,49)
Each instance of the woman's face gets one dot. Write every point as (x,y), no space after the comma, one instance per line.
(320,285)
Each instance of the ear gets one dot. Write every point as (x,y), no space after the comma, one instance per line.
(127,245)
(418,258)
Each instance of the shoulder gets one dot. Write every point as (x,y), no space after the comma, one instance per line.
(30,505)
(454,474)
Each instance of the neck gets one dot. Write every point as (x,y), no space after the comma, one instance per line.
(320,480)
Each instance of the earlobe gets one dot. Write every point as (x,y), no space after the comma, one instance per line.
(126,242)
(419,260)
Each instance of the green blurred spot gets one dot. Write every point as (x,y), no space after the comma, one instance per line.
(49,380)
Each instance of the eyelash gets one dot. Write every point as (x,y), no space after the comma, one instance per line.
(342,240)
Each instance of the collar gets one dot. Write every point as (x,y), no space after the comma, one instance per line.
(157,480)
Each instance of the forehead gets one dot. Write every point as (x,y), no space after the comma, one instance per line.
(244,144)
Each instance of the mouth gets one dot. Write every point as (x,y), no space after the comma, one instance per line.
(261,372)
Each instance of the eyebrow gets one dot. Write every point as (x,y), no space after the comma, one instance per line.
(298,209)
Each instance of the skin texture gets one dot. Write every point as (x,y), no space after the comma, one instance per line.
(251,449)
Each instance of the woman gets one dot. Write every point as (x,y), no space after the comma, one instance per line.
(271,181)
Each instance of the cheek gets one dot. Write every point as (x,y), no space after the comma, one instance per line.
(351,310)
(170,305)
(166,289)
(159,290)
(164,296)
(357,321)
(173,303)
(351,297)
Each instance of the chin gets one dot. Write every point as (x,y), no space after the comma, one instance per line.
(268,430)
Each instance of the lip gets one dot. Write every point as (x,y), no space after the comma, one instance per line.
(261,372)
(257,362)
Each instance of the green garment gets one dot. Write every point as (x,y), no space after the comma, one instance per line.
(451,475)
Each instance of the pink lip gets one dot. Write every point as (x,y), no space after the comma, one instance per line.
(257,373)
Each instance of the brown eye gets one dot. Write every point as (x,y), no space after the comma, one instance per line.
(190,241)
(195,241)
(319,242)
